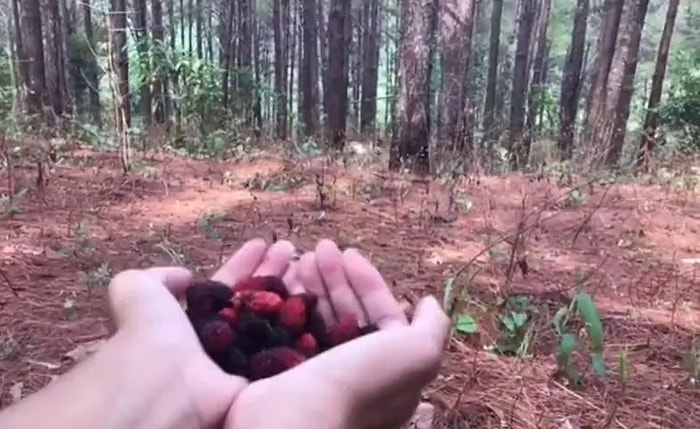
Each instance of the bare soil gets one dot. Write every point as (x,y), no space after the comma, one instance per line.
(635,249)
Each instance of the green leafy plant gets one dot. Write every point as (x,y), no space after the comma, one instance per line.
(583,307)
(207,225)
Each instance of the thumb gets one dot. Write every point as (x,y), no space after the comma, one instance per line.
(140,296)
(431,319)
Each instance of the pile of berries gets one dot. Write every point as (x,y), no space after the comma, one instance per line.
(257,329)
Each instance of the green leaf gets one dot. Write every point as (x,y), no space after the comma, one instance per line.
(589,312)
(599,364)
(508,322)
(519,319)
(466,325)
(567,344)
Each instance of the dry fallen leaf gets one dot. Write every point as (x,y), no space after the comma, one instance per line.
(47,365)
(16,391)
(84,350)
(423,417)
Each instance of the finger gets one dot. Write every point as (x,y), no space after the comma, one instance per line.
(276,260)
(431,319)
(311,280)
(144,295)
(329,260)
(292,279)
(243,263)
(374,294)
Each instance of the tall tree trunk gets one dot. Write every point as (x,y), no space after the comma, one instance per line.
(457,29)
(651,122)
(20,57)
(539,73)
(246,61)
(210,32)
(200,28)
(257,106)
(227,53)
(120,68)
(182,25)
(323,54)
(57,83)
(518,151)
(161,98)
(410,141)
(70,78)
(572,81)
(190,22)
(622,108)
(33,39)
(370,66)
(141,31)
(337,99)
(91,72)
(290,13)
(607,41)
(309,68)
(280,29)
(490,133)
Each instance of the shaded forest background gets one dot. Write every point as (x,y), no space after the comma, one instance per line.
(496,85)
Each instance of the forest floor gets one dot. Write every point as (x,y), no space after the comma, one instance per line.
(634,248)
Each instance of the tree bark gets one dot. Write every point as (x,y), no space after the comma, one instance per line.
(309,69)
(492,79)
(572,81)
(20,55)
(651,122)
(161,98)
(622,108)
(33,39)
(141,31)
(410,140)
(370,66)
(457,28)
(120,64)
(337,99)
(607,41)
(280,29)
(518,151)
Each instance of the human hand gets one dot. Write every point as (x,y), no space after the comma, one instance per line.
(370,382)
(156,342)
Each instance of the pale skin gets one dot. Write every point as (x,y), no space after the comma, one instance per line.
(154,374)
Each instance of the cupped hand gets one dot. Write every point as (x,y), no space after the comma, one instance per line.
(154,332)
(370,382)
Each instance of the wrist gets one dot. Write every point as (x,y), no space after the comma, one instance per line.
(291,404)
(119,387)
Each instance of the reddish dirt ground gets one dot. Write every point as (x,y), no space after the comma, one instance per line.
(635,249)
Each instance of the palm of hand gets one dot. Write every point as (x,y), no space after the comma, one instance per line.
(153,324)
(374,381)
(387,368)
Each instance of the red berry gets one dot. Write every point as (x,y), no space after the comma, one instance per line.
(262,302)
(216,335)
(205,297)
(347,329)
(307,345)
(271,362)
(230,315)
(293,314)
(263,283)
